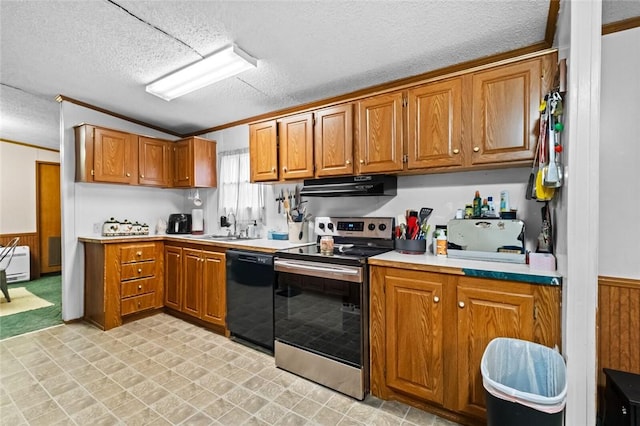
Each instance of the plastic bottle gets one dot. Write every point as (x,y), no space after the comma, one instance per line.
(441,244)
(504,201)
(477,205)
(492,207)
(252,231)
(485,208)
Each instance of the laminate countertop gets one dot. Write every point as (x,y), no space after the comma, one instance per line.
(474,268)
(258,244)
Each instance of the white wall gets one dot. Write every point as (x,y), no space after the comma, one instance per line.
(85,205)
(18,188)
(620,156)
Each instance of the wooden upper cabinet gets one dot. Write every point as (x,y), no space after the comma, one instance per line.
(414,334)
(380,143)
(507,310)
(194,163)
(505,110)
(154,161)
(434,125)
(105,155)
(263,151)
(296,146)
(334,141)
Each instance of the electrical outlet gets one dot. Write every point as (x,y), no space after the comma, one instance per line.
(97,228)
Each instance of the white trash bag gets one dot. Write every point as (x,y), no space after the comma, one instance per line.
(525,373)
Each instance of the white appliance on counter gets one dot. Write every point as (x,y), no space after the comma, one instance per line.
(19,268)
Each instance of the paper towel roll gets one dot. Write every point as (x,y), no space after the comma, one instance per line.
(197,221)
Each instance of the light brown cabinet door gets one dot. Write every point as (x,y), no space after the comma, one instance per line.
(414,334)
(380,134)
(192,282)
(173,277)
(153,161)
(296,146)
(182,164)
(204,163)
(334,141)
(115,159)
(434,125)
(505,112)
(263,151)
(214,287)
(484,314)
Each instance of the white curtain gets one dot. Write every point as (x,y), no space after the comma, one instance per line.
(236,194)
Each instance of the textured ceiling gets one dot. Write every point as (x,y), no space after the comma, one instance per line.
(104,52)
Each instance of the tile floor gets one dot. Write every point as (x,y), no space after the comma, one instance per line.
(160,371)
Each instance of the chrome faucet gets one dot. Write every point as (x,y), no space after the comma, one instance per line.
(235,220)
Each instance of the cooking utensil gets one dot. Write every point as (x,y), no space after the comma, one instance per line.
(530,191)
(552,176)
(424,214)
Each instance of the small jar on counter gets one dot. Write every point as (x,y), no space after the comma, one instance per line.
(326,244)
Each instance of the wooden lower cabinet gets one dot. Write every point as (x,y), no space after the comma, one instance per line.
(120,280)
(196,283)
(429,331)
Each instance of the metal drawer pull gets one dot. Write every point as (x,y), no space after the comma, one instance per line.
(138,253)
(436,299)
(139,287)
(139,270)
(461,304)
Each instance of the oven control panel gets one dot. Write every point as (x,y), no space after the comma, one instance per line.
(362,227)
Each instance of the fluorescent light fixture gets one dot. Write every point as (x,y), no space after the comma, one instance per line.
(224,63)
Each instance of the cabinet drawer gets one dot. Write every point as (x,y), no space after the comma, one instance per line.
(132,271)
(137,253)
(138,303)
(137,287)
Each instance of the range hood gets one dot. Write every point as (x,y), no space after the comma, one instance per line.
(350,186)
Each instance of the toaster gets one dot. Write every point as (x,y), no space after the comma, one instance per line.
(179,223)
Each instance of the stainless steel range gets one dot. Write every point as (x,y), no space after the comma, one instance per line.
(322,303)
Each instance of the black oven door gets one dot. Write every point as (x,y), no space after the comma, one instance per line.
(319,307)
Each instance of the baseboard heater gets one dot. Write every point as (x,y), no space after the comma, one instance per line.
(19,268)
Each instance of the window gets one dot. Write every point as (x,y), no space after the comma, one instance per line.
(236,194)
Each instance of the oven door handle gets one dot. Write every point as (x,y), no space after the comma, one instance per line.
(319,270)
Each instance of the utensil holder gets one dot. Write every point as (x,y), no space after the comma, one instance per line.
(298,232)
(411,246)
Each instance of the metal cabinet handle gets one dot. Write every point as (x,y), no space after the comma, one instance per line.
(139,287)
(476,148)
(436,299)
(284,169)
(273,170)
(361,161)
(456,151)
(141,176)
(138,304)
(461,304)
(138,253)
(348,162)
(139,270)
(128,174)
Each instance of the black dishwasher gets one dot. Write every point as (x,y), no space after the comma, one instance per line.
(250,280)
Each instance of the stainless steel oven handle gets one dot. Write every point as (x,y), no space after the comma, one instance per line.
(318,268)
(336,272)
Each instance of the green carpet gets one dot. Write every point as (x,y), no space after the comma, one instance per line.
(48,288)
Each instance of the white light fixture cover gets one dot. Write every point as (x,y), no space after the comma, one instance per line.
(223,64)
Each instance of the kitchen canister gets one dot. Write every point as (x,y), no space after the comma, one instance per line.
(298,232)
(410,246)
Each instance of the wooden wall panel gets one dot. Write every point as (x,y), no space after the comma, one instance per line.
(28,239)
(618,325)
